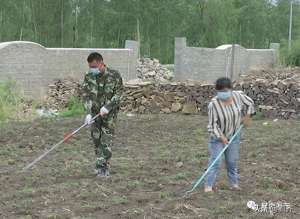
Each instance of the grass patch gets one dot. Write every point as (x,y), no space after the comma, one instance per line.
(166,195)
(134,211)
(10,99)
(26,190)
(117,200)
(201,155)
(178,176)
(24,205)
(84,194)
(92,207)
(258,116)
(74,107)
(133,184)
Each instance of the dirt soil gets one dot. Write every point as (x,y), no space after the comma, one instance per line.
(155,158)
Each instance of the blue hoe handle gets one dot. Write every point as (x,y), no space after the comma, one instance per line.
(199,180)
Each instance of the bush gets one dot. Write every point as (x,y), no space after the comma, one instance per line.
(292,57)
(10,98)
(74,107)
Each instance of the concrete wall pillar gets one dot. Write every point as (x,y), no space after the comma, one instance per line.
(180,45)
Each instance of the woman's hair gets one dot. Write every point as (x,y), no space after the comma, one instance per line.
(223,83)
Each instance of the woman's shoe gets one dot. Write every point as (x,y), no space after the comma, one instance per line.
(208,189)
(235,188)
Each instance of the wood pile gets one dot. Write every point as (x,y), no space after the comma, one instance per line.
(151,70)
(276,94)
(60,92)
(185,97)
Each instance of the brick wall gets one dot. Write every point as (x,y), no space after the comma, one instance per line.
(34,66)
(209,64)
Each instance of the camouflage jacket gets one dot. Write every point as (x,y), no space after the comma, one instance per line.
(103,90)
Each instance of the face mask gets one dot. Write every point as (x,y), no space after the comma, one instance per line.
(224,95)
(94,71)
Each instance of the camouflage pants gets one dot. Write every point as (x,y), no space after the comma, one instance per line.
(102,134)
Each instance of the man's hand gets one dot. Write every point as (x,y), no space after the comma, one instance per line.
(88,119)
(103,111)
(246,120)
(224,140)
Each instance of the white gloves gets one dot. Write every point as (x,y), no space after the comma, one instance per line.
(88,119)
(103,111)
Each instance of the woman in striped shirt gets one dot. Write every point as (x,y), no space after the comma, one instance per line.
(226,112)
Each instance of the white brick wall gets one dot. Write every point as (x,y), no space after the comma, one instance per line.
(209,64)
(34,66)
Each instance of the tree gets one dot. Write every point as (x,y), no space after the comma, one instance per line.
(155,23)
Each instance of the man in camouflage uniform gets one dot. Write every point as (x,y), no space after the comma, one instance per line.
(102,91)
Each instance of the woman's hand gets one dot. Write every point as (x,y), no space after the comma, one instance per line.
(224,140)
(246,120)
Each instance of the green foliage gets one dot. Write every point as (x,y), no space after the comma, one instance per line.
(166,195)
(9,99)
(292,57)
(258,116)
(25,190)
(74,107)
(102,23)
(10,92)
(117,200)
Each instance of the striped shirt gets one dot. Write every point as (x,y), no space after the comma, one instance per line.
(226,119)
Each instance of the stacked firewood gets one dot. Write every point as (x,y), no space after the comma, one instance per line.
(60,92)
(276,94)
(151,98)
